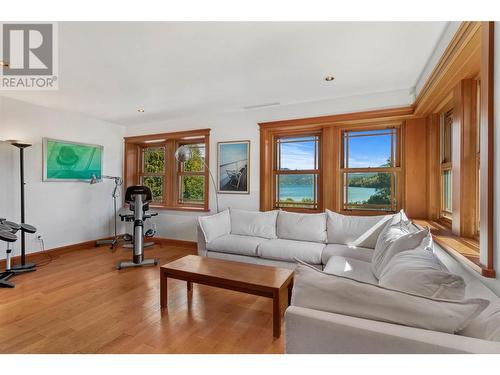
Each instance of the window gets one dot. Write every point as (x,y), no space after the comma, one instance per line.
(191,175)
(150,161)
(446,165)
(370,169)
(296,171)
(153,170)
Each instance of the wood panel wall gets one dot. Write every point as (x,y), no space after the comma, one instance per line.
(464,158)
(433,167)
(415,168)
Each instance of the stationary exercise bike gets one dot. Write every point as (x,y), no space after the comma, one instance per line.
(8,230)
(138,199)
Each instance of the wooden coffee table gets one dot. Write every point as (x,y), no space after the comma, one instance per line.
(265,281)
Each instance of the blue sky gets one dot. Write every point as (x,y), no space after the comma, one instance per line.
(363,152)
(369,151)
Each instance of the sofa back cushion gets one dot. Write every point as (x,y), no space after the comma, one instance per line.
(214,226)
(420,272)
(361,231)
(317,290)
(302,227)
(253,223)
(396,240)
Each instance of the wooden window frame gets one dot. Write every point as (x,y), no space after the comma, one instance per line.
(395,170)
(330,128)
(173,169)
(445,161)
(318,198)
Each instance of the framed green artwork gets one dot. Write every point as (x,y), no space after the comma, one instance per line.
(71,161)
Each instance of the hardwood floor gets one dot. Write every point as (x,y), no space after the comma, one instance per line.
(79,303)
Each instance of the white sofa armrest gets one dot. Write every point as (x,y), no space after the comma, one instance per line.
(313,332)
(202,244)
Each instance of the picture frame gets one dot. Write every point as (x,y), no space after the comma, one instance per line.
(233,167)
(65,161)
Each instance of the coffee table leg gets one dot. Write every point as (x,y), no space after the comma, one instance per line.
(189,286)
(163,290)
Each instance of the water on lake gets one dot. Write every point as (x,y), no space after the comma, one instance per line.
(298,192)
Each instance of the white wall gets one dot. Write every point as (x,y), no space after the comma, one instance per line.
(243,125)
(64,212)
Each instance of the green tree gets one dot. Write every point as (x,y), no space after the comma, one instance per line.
(193,187)
(154,162)
(381,181)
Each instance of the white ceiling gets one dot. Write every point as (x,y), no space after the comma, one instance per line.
(173,69)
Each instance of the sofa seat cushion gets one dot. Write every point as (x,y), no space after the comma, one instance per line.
(360,231)
(301,227)
(353,252)
(349,267)
(236,244)
(289,250)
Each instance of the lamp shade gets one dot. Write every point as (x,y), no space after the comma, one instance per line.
(183,154)
(18,143)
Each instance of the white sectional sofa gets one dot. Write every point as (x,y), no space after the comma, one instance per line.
(277,238)
(325,318)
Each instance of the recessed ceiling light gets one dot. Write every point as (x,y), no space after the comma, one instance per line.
(140,110)
(329,78)
(4,63)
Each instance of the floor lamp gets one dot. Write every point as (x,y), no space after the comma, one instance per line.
(24,266)
(184,154)
(118,182)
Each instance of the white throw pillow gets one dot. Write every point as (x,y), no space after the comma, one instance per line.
(214,226)
(253,223)
(302,227)
(421,272)
(396,241)
(361,231)
(317,290)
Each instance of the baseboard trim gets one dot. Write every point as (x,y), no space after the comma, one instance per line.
(40,255)
(174,242)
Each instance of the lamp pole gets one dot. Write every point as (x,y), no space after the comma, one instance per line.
(24,266)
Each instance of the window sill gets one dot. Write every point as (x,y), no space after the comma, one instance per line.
(167,208)
(367,212)
(465,250)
